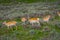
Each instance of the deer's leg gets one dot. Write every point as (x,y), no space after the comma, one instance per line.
(16,27)
(47,21)
(32,24)
(8,27)
(23,23)
(38,23)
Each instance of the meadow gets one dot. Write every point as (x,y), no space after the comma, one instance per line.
(28,33)
(47,31)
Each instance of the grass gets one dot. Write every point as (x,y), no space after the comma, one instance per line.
(28,33)
(27,1)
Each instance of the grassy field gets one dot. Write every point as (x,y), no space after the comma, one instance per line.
(28,33)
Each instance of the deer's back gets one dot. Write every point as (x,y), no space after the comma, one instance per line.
(11,23)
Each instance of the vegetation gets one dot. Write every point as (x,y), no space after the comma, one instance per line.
(27,1)
(26,32)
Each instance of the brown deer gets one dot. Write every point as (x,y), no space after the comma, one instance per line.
(34,20)
(10,23)
(46,18)
(24,20)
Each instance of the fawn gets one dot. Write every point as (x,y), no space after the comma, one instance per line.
(46,18)
(24,20)
(10,23)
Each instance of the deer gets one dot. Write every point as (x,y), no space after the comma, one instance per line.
(46,18)
(23,19)
(10,24)
(58,13)
(33,20)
